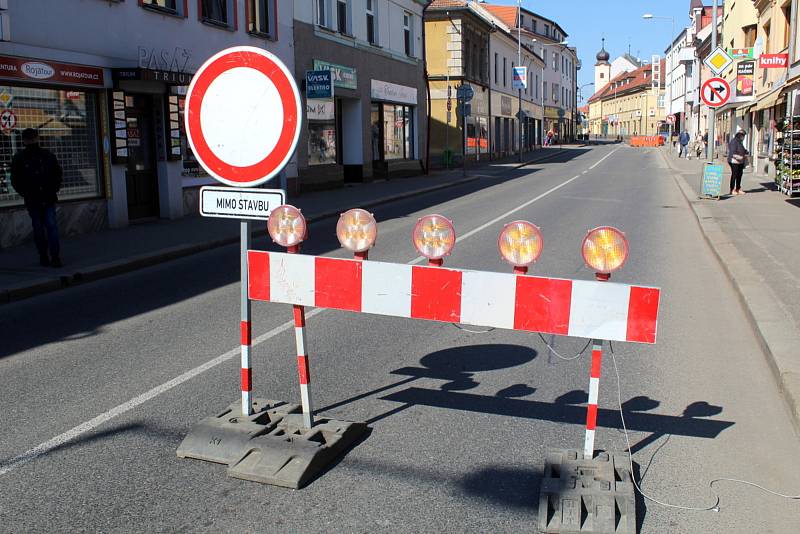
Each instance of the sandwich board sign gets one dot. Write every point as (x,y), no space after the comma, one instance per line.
(712,180)
(243,116)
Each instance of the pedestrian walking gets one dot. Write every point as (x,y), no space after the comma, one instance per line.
(36,176)
(683,139)
(699,146)
(737,159)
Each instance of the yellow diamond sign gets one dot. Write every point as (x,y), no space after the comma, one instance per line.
(5,98)
(718,61)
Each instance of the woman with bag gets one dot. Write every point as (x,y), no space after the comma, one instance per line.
(737,159)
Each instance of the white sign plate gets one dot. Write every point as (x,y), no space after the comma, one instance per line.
(240,203)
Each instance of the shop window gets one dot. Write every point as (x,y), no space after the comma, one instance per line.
(397,132)
(321,118)
(67,123)
(260,17)
(171,7)
(372,37)
(408,33)
(219,13)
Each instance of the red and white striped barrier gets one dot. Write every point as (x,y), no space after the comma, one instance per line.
(599,310)
(594,389)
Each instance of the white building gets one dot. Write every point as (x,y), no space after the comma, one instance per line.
(104,82)
(559,76)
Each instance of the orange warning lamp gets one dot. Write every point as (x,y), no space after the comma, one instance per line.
(434,236)
(357,230)
(520,243)
(605,249)
(287,226)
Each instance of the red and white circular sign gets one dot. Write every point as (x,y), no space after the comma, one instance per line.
(715,92)
(243,116)
(8,121)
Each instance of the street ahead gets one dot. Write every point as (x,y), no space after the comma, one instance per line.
(460,421)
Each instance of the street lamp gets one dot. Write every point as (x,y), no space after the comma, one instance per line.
(650,16)
(580,95)
(562,44)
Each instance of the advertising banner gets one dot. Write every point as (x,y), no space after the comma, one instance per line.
(744,78)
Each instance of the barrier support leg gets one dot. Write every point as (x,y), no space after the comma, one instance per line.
(245,325)
(302,364)
(594,387)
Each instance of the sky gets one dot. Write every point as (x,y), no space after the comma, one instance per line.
(619,21)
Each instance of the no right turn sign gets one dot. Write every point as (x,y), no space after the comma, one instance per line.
(715,92)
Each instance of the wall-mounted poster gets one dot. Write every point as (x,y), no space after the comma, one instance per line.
(744,78)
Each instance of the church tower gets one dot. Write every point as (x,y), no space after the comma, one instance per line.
(602,69)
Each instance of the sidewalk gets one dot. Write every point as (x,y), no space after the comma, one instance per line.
(110,252)
(756,237)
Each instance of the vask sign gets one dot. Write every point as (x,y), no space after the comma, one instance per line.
(319,84)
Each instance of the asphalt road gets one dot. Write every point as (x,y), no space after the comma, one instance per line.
(460,421)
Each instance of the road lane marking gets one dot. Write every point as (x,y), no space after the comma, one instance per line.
(604,158)
(88,426)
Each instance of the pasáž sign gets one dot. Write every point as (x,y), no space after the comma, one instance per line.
(239,203)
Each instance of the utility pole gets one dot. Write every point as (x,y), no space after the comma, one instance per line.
(519,64)
(712,114)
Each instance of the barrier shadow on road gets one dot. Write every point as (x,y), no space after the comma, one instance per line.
(118,298)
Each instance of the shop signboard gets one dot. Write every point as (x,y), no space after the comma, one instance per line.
(345,77)
(392,92)
(773,61)
(712,180)
(505,105)
(319,84)
(744,78)
(741,53)
(34,70)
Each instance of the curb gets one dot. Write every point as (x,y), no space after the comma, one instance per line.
(97,272)
(776,335)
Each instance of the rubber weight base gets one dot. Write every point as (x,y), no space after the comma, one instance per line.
(580,496)
(223,438)
(291,455)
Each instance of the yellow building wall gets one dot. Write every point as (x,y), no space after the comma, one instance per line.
(436,50)
(771,15)
(633,112)
(737,15)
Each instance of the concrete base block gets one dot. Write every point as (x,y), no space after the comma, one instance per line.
(291,455)
(223,438)
(580,496)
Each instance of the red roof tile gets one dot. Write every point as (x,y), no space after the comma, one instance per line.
(639,79)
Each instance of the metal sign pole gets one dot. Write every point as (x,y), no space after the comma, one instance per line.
(245,325)
(712,113)
(464,126)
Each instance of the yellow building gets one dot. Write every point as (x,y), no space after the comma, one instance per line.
(630,104)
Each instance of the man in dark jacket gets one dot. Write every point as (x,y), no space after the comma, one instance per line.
(36,176)
(684,141)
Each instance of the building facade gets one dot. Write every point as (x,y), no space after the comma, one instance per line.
(106,93)
(375,124)
(632,103)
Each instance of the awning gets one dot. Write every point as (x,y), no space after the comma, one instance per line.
(769,99)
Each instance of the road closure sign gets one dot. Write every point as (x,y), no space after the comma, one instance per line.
(239,203)
(243,116)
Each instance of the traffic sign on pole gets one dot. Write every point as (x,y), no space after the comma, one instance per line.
(718,61)
(715,92)
(8,121)
(243,116)
(465,92)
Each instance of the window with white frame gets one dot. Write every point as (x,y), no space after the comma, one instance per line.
(408,33)
(342,18)
(505,68)
(174,7)
(372,34)
(259,15)
(322,13)
(218,12)
(495,67)
(555,61)
(537,86)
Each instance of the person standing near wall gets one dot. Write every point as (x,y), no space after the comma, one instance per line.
(36,176)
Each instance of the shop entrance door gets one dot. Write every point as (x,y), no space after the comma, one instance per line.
(141,176)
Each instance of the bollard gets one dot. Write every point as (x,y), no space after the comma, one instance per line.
(594,389)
